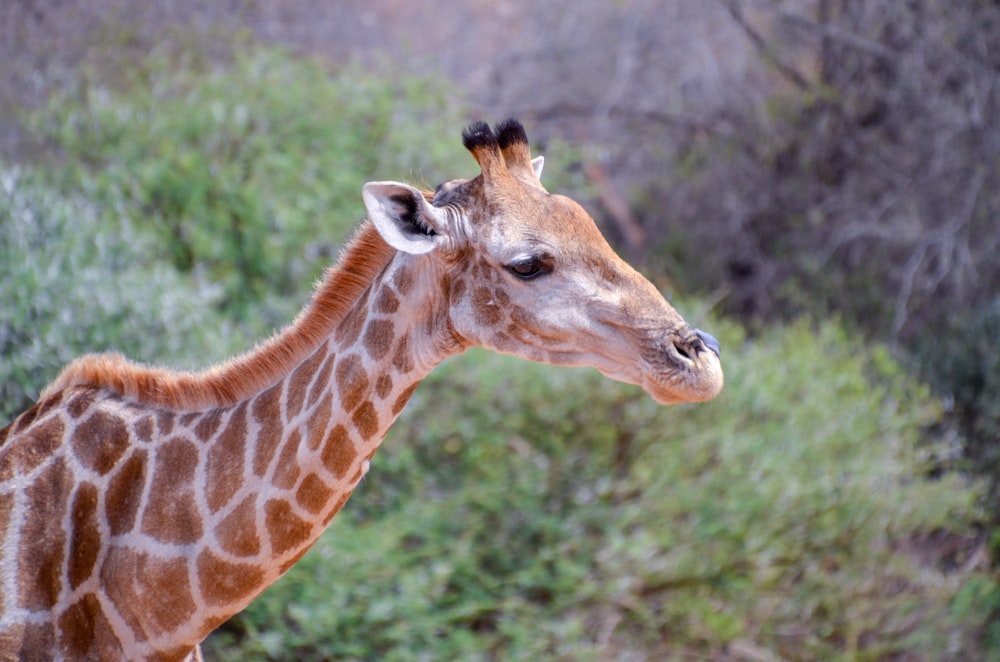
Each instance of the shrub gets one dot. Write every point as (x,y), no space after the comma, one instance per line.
(519,511)
(71,283)
(252,169)
(964,364)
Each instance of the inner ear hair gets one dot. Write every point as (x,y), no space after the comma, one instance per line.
(409,213)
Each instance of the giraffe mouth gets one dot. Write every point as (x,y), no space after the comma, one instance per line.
(671,370)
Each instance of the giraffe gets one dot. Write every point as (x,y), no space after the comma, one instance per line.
(141,507)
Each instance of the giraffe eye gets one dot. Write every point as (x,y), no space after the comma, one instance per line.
(530,267)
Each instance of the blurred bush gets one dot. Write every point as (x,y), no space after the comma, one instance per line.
(74,281)
(539,513)
(251,170)
(964,364)
(515,512)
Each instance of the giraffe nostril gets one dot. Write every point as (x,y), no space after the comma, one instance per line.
(680,349)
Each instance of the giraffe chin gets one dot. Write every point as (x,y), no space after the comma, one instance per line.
(689,393)
(701,382)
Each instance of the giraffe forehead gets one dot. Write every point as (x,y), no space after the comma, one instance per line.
(517,211)
(545,223)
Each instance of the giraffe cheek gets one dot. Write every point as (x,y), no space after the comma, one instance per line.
(486,311)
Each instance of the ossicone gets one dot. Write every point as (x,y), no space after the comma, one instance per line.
(501,151)
(477,136)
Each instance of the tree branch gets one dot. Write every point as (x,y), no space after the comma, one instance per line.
(789,72)
(833,33)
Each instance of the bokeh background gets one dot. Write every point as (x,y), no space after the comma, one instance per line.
(815,181)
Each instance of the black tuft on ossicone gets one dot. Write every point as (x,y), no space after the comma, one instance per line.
(510,131)
(478,135)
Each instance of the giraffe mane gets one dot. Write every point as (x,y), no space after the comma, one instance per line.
(366,255)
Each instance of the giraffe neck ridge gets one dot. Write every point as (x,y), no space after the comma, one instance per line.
(239,378)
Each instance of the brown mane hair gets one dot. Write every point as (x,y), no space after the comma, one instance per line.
(365,257)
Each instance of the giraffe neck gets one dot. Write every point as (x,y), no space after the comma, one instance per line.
(178,517)
(281,464)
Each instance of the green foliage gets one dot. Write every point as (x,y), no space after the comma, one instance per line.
(523,512)
(71,282)
(251,170)
(517,511)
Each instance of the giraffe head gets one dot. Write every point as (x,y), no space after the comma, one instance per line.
(527,272)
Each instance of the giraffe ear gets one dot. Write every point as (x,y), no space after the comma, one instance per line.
(537,164)
(404,218)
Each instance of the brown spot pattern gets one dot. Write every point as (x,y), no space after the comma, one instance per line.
(313,494)
(237,533)
(402,359)
(299,381)
(350,329)
(352,382)
(387,302)
(267,412)
(84,536)
(6,506)
(366,420)
(383,386)
(135,582)
(339,452)
(37,637)
(501,298)
(378,338)
(287,471)
(100,441)
(86,633)
(43,544)
(165,422)
(25,419)
(124,494)
(177,654)
(322,382)
(208,425)
(172,513)
(37,412)
(80,403)
(316,428)
(143,428)
(38,445)
(403,281)
(224,467)
(287,530)
(403,398)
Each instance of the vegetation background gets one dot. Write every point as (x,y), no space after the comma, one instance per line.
(819,178)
